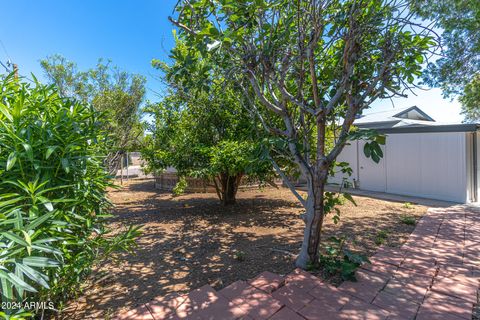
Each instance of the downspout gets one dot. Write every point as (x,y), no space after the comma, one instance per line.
(475,177)
(358,167)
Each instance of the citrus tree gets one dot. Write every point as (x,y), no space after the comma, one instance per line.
(203,129)
(313,67)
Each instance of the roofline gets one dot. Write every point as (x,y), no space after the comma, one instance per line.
(463,127)
(418,110)
(377,122)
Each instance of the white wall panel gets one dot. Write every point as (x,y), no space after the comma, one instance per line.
(430,165)
(372,176)
(349,155)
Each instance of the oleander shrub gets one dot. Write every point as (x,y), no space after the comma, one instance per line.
(53,205)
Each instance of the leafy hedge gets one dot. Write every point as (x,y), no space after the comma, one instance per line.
(53,201)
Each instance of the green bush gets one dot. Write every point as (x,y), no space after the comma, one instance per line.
(53,201)
(180,187)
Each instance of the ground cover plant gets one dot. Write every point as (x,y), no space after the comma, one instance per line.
(53,206)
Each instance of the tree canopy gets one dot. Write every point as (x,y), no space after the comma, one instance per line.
(202,129)
(313,67)
(457,69)
(459,59)
(116,93)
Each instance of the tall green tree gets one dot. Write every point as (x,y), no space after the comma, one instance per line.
(313,66)
(457,68)
(116,93)
(202,129)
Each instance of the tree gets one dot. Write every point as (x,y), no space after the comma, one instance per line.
(470,100)
(203,130)
(459,59)
(314,66)
(457,69)
(116,93)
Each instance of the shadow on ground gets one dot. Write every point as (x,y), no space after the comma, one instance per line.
(193,240)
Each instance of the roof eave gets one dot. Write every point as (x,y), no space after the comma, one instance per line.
(464,127)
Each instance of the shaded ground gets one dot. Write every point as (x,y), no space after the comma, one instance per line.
(192,240)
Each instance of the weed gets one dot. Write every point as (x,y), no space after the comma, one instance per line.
(336,259)
(408,220)
(408,205)
(381,237)
(239,256)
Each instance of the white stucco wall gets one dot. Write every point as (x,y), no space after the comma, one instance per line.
(429,165)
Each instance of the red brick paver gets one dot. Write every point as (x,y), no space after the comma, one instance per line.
(434,275)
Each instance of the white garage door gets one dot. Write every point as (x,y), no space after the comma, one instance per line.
(431,165)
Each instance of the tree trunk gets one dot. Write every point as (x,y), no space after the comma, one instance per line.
(309,253)
(227,191)
(230,191)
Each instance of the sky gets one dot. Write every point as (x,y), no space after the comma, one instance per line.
(130,33)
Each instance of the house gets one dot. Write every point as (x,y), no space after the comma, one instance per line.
(422,158)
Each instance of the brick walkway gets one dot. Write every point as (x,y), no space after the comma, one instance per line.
(432,276)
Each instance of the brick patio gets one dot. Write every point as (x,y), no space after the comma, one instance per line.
(434,275)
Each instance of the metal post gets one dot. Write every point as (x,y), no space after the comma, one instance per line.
(127,165)
(121,170)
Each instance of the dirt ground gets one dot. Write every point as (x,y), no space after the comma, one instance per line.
(192,240)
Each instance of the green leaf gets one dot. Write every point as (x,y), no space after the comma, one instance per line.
(7,290)
(65,165)
(47,203)
(28,240)
(39,221)
(40,262)
(377,149)
(12,158)
(29,150)
(366,150)
(381,139)
(50,151)
(349,197)
(34,275)
(14,238)
(20,283)
(45,248)
(5,112)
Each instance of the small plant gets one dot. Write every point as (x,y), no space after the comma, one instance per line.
(408,220)
(335,199)
(381,237)
(180,187)
(346,184)
(239,255)
(338,260)
(408,205)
